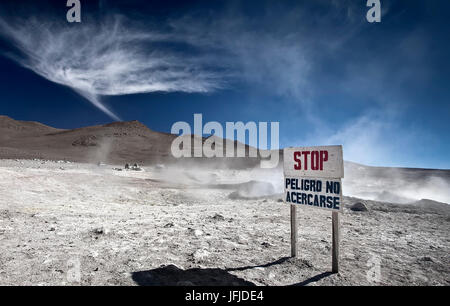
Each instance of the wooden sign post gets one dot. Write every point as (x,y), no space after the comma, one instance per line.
(335,245)
(293,231)
(312,178)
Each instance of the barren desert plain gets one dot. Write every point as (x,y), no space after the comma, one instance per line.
(75,222)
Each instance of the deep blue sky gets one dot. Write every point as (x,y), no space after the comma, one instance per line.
(317,67)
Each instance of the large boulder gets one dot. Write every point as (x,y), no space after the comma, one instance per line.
(359,206)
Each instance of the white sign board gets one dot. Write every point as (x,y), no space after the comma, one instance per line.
(314,192)
(323,162)
(312,177)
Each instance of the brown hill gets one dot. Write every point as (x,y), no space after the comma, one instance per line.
(115,143)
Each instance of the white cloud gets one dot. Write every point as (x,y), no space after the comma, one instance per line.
(108,58)
(275,59)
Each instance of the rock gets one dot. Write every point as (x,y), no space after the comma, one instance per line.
(136,167)
(359,206)
(218,217)
(198,232)
(200,254)
(170,224)
(398,233)
(427,258)
(100,231)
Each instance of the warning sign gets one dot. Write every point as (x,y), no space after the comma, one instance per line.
(323,162)
(319,193)
(312,177)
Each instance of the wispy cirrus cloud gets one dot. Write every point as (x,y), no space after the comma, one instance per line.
(109,58)
(116,56)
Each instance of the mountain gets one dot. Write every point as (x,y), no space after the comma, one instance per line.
(115,143)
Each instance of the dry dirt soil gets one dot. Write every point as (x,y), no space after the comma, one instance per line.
(81,224)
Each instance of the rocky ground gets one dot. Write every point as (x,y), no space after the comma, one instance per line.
(71,223)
